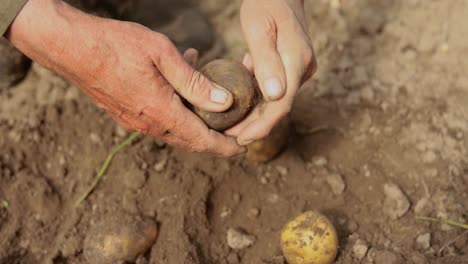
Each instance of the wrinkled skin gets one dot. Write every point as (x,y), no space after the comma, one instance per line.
(140,78)
(136,75)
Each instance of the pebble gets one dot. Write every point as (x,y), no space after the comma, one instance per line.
(336,183)
(161,164)
(238,239)
(253,213)
(423,206)
(319,161)
(282,170)
(120,131)
(396,204)
(360,249)
(94,138)
(424,241)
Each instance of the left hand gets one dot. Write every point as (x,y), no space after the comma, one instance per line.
(282,58)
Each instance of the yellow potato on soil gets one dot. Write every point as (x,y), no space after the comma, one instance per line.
(309,239)
(119,239)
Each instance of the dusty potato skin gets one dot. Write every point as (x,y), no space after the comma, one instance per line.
(118,239)
(268,148)
(309,239)
(237,79)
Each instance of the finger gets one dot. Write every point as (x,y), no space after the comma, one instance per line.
(189,132)
(261,38)
(191,56)
(261,122)
(188,82)
(248,63)
(296,52)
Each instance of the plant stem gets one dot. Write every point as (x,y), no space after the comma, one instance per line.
(103,169)
(443,221)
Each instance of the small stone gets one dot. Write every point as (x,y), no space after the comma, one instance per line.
(319,161)
(360,249)
(282,170)
(253,213)
(238,239)
(423,206)
(94,138)
(161,164)
(225,212)
(120,131)
(396,204)
(336,183)
(424,241)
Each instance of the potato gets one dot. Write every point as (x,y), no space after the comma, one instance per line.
(309,239)
(119,238)
(268,148)
(236,78)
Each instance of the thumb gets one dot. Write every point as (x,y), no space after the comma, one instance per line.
(189,83)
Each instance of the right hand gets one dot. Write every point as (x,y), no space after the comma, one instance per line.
(136,75)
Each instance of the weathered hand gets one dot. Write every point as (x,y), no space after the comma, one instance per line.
(133,73)
(281,56)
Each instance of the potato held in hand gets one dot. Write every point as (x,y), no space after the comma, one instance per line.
(119,239)
(236,78)
(309,239)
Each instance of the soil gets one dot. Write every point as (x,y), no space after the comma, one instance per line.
(381,137)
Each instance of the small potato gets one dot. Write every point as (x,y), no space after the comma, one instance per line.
(268,148)
(119,239)
(309,239)
(236,78)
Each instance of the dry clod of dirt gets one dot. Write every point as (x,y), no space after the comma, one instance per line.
(360,249)
(336,183)
(238,239)
(423,241)
(396,204)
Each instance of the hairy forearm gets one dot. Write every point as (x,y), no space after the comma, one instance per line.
(55,35)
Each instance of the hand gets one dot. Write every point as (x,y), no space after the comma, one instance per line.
(282,58)
(133,73)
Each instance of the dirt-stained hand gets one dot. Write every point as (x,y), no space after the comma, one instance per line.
(282,58)
(136,75)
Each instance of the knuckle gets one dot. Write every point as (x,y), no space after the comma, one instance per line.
(308,56)
(193,83)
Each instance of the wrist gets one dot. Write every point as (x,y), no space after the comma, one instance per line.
(53,34)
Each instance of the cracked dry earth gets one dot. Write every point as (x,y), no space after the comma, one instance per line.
(381,137)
